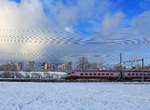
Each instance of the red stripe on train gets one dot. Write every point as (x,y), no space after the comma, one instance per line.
(75,76)
(138,76)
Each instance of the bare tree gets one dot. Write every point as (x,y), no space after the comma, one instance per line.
(36,75)
(7,74)
(31,65)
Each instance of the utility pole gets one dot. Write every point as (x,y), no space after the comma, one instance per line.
(120,61)
(121,65)
(143,69)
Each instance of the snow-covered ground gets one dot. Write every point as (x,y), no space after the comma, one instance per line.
(74,96)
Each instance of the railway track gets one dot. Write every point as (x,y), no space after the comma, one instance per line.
(63,80)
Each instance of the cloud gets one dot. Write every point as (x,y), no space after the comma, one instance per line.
(17,22)
(26,14)
(111,22)
(142,24)
(71,13)
(25,28)
(35,30)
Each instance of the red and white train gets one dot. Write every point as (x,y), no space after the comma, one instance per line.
(112,75)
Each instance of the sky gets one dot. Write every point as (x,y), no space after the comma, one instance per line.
(64,30)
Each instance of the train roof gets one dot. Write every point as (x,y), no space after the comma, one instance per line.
(110,71)
(96,71)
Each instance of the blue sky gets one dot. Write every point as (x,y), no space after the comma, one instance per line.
(78,28)
(131,9)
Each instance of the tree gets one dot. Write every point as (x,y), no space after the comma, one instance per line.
(31,65)
(7,74)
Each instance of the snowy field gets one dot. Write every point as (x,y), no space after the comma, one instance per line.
(74,96)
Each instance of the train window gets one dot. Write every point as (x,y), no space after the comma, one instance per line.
(103,73)
(111,74)
(94,73)
(129,74)
(136,73)
(90,74)
(140,73)
(86,73)
(99,74)
(132,74)
(81,74)
(107,73)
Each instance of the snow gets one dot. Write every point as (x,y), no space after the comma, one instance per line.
(43,74)
(74,96)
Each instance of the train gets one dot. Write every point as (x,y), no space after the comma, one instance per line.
(109,75)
